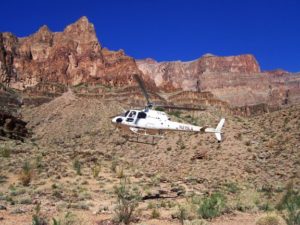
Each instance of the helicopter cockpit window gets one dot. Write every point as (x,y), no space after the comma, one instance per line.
(131,116)
(142,115)
(126,113)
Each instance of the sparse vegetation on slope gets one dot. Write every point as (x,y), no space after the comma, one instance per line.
(250,168)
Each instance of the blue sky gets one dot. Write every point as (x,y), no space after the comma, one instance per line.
(174,29)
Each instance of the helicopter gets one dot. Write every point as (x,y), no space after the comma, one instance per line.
(150,122)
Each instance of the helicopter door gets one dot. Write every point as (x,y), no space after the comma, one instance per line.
(131,116)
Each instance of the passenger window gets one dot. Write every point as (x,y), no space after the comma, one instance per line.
(142,115)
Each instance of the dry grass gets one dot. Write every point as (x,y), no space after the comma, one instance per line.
(270,219)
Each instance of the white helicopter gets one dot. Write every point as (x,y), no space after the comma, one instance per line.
(151,122)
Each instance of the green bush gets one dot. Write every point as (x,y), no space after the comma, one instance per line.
(247,200)
(232,187)
(120,172)
(290,203)
(67,219)
(212,206)
(127,201)
(175,113)
(77,166)
(271,219)
(182,214)
(26,174)
(38,163)
(114,165)
(5,152)
(155,214)
(158,108)
(96,170)
(37,219)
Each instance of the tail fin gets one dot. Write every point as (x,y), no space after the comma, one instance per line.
(218,130)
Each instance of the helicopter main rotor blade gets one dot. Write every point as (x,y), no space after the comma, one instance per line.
(142,86)
(181,107)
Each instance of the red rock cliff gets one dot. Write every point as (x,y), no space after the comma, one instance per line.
(70,57)
(237,80)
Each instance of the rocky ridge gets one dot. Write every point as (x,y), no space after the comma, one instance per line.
(44,65)
(236,80)
(70,57)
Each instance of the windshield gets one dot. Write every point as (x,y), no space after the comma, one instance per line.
(126,113)
(132,114)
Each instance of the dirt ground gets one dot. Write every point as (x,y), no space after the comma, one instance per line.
(251,167)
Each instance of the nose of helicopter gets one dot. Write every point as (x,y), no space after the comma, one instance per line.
(114,120)
(117,120)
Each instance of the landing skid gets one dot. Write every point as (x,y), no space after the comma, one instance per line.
(144,139)
(142,136)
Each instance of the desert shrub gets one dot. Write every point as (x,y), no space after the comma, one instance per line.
(67,219)
(212,206)
(26,174)
(151,205)
(114,165)
(127,201)
(25,201)
(56,222)
(266,206)
(175,113)
(155,214)
(247,200)
(5,152)
(154,180)
(186,212)
(38,163)
(290,203)
(96,170)
(232,187)
(158,108)
(270,219)
(2,178)
(268,190)
(37,219)
(57,194)
(77,166)
(182,214)
(167,204)
(120,172)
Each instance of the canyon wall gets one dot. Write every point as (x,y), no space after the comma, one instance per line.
(71,57)
(236,80)
(47,63)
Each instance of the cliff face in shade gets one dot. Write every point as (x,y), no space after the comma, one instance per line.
(11,125)
(70,57)
(237,80)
